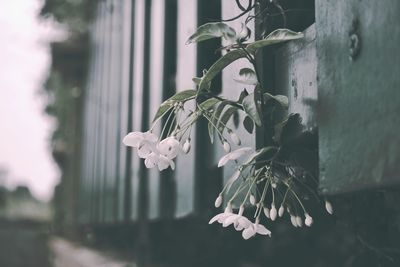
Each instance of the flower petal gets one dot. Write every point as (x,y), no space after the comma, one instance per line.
(223,160)
(144,150)
(234,155)
(133,139)
(163,163)
(248,232)
(169,147)
(151,161)
(149,136)
(243,221)
(215,218)
(229,220)
(262,230)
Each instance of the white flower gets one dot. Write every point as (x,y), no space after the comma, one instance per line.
(309,220)
(227,147)
(218,201)
(234,155)
(222,216)
(144,142)
(186,146)
(161,161)
(238,220)
(151,160)
(169,147)
(134,139)
(235,138)
(328,207)
(255,228)
(273,212)
(164,162)
(281,211)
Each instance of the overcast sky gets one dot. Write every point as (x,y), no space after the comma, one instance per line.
(24,128)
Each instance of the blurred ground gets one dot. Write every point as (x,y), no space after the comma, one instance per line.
(23,244)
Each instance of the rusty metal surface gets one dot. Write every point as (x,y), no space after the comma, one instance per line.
(358,94)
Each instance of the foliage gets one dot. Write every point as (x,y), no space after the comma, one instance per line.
(269,178)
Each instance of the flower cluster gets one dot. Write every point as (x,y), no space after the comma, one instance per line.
(265,201)
(265,181)
(160,154)
(240,222)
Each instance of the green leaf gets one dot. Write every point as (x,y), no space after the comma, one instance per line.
(218,66)
(209,103)
(252,106)
(212,30)
(247,76)
(281,99)
(223,120)
(162,110)
(196,80)
(182,96)
(277,36)
(248,124)
(215,118)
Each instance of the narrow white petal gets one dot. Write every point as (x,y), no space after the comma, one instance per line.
(172,164)
(223,160)
(262,230)
(215,218)
(248,232)
(328,207)
(239,152)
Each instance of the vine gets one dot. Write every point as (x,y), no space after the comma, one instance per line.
(266,178)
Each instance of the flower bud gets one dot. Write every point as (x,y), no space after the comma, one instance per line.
(309,220)
(186,146)
(252,199)
(281,211)
(235,138)
(328,207)
(218,201)
(266,212)
(293,220)
(227,147)
(299,221)
(273,212)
